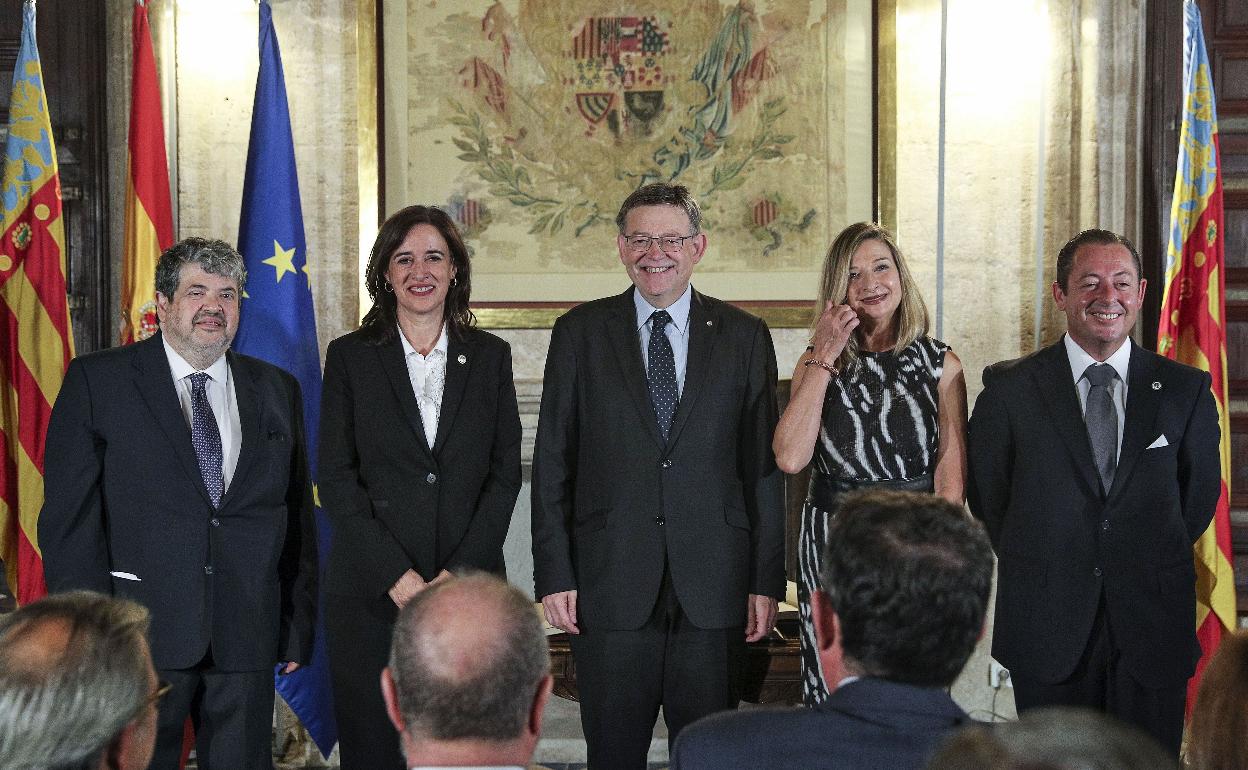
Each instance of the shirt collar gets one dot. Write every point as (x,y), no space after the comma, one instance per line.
(218,371)
(441,344)
(1080,360)
(679,310)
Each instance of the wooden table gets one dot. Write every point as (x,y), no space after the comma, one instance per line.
(772,672)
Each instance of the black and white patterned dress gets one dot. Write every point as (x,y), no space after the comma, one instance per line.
(879,428)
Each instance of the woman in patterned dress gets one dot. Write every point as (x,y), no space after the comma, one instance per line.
(874,401)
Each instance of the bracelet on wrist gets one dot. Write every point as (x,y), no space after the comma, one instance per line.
(824,365)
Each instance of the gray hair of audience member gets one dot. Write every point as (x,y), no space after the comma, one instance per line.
(61,709)
(1053,738)
(908,575)
(661,194)
(214,256)
(475,686)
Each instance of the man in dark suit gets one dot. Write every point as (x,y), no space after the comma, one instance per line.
(176,476)
(901,603)
(1094,465)
(658,514)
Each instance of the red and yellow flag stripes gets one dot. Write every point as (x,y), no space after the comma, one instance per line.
(149,214)
(34,315)
(1193,319)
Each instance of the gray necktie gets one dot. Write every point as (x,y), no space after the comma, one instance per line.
(662,371)
(206,439)
(1101,418)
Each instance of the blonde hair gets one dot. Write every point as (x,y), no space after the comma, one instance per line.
(910,321)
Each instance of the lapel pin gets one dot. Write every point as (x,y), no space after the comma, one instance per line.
(463,359)
(710,323)
(1156,386)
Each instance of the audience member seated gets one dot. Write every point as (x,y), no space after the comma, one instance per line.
(469,675)
(77,686)
(1054,738)
(901,602)
(1217,735)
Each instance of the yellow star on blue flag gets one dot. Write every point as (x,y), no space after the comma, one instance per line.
(283,260)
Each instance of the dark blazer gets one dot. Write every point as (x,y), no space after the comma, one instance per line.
(612,501)
(1062,543)
(123,493)
(867,723)
(397,500)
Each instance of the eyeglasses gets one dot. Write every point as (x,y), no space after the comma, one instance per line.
(671,244)
(162,689)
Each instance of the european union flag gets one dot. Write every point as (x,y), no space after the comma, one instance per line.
(278,323)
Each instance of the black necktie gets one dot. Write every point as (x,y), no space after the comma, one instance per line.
(1101,418)
(206,439)
(662,371)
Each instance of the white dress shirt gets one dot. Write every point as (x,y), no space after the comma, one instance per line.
(220,392)
(677,332)
(428,377)
(1120,360)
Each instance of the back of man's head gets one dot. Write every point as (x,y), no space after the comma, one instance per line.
(75,673)
(908,576)
(469,663)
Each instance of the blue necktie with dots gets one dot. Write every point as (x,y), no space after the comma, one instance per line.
(206,439)
(662,374)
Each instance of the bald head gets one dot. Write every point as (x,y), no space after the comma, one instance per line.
(75,673)
(468,658)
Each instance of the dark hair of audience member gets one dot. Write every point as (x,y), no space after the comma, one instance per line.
(909,576)
(1217,734)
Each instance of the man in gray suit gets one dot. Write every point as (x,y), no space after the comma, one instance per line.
(658,513)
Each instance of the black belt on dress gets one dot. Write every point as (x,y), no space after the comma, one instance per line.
(825,492)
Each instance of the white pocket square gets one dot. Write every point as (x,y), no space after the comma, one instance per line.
(1159,442)
(126,576)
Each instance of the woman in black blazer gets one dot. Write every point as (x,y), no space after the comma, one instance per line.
(419,460)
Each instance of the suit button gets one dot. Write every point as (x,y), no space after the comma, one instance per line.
(432,478)
(215,521)
(665,464)
(659,520)
(1096,571)
(1105,525)
(208,569)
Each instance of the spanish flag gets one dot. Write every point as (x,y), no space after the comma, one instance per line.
(1193,318)
(36,343)
(149,214)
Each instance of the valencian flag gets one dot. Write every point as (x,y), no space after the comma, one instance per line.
(1193,317)
(36,342)
(278,323)
(149,214)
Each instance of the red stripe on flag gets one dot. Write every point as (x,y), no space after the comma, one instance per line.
(45,270)
(30,581)
(33,407)
(149,170)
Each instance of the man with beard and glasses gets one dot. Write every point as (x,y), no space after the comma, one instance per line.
(176,476)
(1094,466)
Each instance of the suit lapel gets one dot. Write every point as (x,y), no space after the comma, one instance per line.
(1057,390)
(247,394)
(459,361)
(702,330)
(1143,401)
(621,335)
(395,367)
(154,381)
